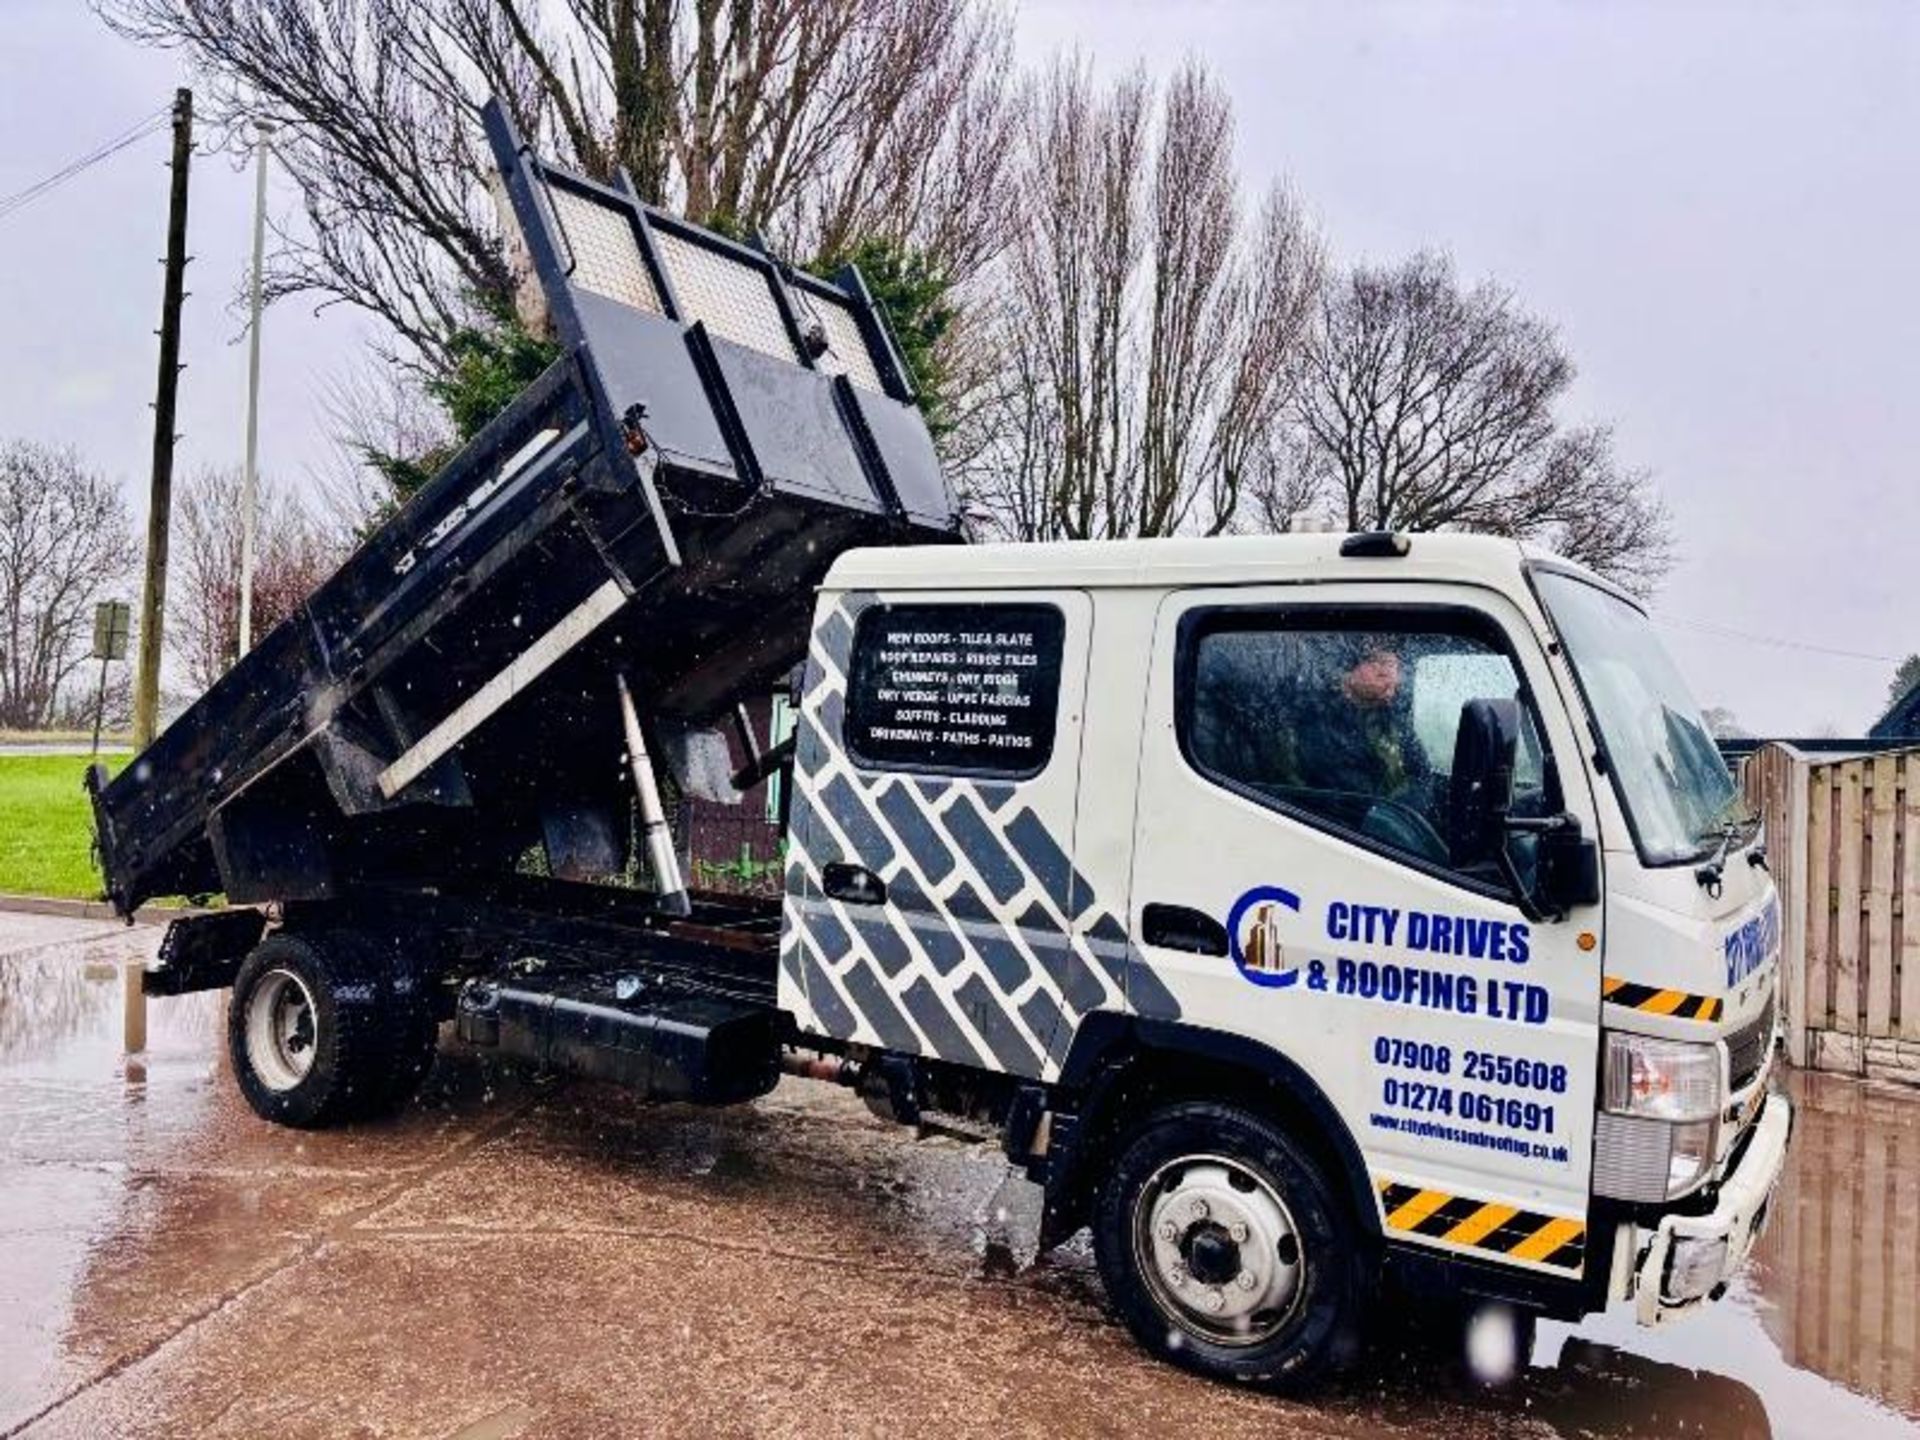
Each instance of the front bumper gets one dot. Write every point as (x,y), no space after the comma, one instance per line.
(1687,1260)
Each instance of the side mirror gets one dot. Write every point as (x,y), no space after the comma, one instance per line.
(1566,864)
(1481,786)
(1567,868)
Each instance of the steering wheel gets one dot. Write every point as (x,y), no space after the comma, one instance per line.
(1391,822)
(1404,828)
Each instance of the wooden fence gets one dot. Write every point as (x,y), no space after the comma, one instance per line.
(1843,836)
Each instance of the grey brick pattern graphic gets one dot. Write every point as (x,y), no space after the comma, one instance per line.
(976,957)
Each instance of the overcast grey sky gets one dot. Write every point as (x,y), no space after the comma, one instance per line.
(1719,204)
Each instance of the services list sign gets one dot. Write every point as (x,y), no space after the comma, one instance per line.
(969,688)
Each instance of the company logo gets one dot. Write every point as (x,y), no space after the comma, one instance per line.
(1753,944)
(1255,931)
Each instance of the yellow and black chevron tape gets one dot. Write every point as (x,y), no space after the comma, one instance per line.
(1485,1225)
(1655,1001)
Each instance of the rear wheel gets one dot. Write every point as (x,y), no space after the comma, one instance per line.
(280,1020)
(1226,1250)
(319,1031)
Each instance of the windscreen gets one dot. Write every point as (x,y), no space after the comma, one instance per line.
(1668,773)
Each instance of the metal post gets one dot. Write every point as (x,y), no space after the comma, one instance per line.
(654,830)
(249,485)
(153,595)
(99,705)
(133,1010)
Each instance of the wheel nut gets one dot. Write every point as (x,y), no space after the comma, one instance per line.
(1167,1231)
(1214,1300)
(1178,1272)
(1245,1280)
(1238,1230)
(1198,1210)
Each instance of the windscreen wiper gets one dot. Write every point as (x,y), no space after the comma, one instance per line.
(1712,873)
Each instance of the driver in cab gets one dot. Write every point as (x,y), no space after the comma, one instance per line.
(1357,734)
(1352,739)
(1322,721)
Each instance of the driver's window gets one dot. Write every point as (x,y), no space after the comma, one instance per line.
(1351,725)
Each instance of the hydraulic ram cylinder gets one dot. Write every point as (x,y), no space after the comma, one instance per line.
(654,832)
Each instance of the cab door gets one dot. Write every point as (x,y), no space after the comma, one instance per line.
(932,904)
(1302,876)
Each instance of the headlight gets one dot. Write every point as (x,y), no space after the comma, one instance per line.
(1662,1079)
(1671,1091)
(1691,1156)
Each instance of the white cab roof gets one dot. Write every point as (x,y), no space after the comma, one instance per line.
(1182,561)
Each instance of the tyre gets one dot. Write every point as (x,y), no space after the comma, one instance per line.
(1227,1251)
(315,1034)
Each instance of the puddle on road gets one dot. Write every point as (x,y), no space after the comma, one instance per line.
(75,1113)
(1819,1337)
(1720,1377)
(1821,1334)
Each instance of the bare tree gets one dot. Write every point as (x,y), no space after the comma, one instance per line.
(817,122)
(1063,462)
(65,542)
(1148,330)
(292,557)
(374,415)
(75,708)
(1426,406)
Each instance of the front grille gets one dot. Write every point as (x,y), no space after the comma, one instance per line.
(1747,1047)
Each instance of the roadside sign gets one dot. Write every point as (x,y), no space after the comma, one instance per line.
(112,620)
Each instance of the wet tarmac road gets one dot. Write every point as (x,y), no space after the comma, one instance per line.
(513,1258)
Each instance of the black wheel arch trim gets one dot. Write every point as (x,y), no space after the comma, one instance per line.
(1108,1046)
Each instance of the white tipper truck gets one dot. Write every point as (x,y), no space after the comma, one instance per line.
(1339,903)
(1315,918)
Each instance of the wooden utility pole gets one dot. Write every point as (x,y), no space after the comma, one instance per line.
(153,596)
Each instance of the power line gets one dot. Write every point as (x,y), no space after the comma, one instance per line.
(145,126)
(139,130)
(1725,632)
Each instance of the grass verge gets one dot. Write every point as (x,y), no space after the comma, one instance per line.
(46,828)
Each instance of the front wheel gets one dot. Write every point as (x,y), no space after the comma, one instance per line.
(1227,1251)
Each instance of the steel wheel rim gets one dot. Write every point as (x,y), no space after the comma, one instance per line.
(281,1027)
(1218,1249)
